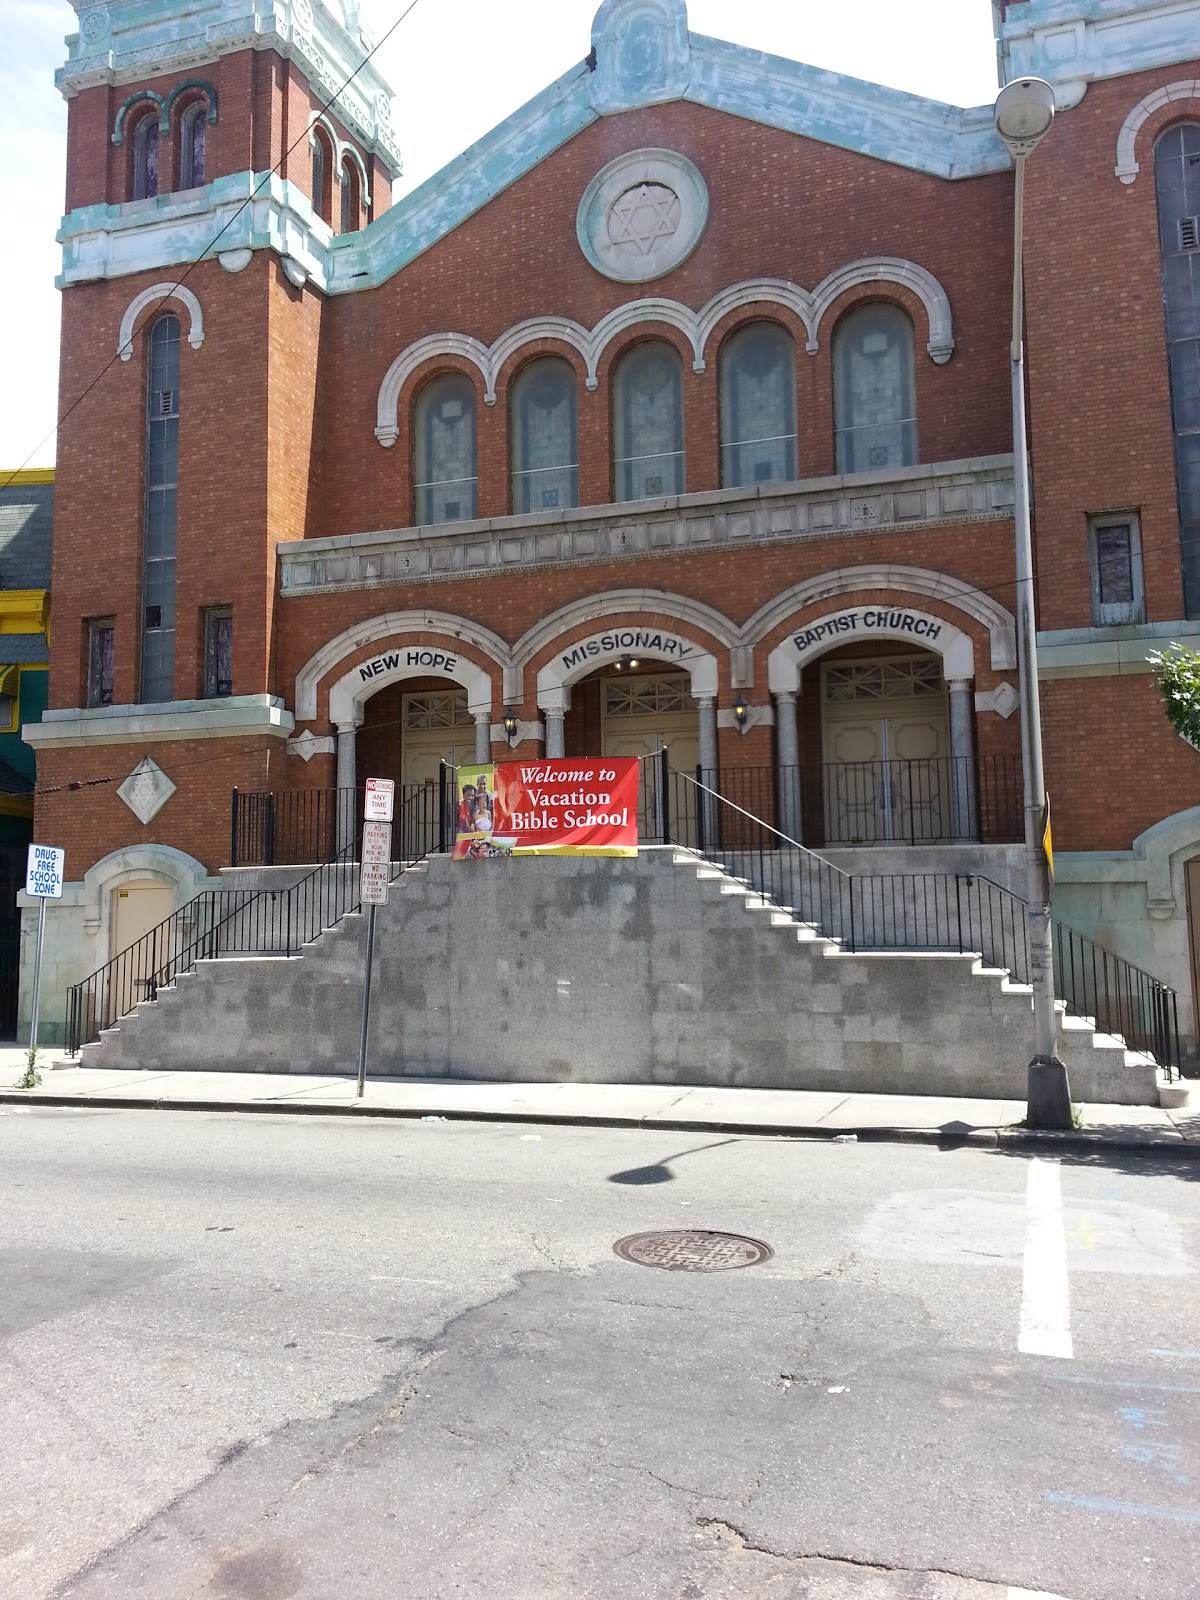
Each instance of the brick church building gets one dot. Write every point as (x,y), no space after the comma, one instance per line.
(674,412)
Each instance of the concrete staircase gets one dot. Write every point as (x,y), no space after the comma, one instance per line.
(663,969)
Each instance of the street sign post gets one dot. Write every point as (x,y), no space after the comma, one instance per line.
(43,881)
(375,875)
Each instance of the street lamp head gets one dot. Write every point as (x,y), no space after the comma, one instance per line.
(1024,112)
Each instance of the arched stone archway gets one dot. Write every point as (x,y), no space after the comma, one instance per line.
(882,621)
(580,658)
(349,695)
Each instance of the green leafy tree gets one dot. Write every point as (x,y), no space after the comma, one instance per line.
(1178,673)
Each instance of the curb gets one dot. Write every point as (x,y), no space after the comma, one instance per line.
(1016,1139)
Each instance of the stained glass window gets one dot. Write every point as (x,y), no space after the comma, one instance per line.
(447,480)
(545,452)
(758,407)
(218,652)
(648,430)
(162,489)
(874,397)
(193,138)
(101,632)
(1177,174)
(145,157)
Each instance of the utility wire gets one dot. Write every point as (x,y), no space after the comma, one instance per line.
(211,245)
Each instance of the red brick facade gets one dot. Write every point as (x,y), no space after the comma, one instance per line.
(278,412)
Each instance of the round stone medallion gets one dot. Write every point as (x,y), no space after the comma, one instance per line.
(642,215)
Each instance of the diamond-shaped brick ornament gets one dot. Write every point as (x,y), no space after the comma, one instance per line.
(146,790)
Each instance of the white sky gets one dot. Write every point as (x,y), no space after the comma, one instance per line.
(456,70)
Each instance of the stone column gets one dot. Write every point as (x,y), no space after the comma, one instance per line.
(964,809)
(347,781)
(554,705)
(708,819)
(787,754)
(708,738)
(483,737)
(556,740)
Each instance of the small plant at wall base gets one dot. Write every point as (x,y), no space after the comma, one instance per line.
(31,1077)
(1178,673)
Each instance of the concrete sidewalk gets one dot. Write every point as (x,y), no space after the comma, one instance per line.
(792,1112)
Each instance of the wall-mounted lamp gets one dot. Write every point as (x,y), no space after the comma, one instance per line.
(510,724)
(741,711)
(628,664)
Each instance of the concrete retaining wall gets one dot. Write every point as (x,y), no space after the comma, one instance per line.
(654,970)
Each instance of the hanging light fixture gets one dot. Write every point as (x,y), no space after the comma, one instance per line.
(510,724)
(741,711)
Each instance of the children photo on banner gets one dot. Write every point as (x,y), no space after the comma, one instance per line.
(576,807)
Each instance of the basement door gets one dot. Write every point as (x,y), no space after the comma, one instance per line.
(885,733)
(138,910)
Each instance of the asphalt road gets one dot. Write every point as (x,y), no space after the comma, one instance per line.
(255,1358)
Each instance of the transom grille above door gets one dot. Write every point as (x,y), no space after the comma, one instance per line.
(914,679)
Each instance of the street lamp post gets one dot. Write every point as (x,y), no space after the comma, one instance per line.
(1024,113)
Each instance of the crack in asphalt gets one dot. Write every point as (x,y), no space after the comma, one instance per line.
(742,1541)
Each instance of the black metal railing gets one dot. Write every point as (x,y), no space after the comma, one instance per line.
(224,923)
(305,827)
(940,800)
(962,912)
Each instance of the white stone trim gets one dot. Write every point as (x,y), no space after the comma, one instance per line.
(391,626)
(1158,846)
(756,717)
(1127,167)
(1003,699)
(695,326)
(147,799)
(308,745)
(151,296)
(349,695)
(944,639)
(618,603)
(1001,624)
(591,652)
(242,717)
(341,149)
(525,731)
(434,345)
(655,167)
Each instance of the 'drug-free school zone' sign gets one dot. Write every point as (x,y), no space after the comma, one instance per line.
(544,808)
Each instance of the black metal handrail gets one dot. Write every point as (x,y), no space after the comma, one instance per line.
(963,912)
(224,923)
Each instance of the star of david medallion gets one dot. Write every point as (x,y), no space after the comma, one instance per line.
(644,215)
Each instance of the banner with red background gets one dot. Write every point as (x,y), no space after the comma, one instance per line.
(541,808)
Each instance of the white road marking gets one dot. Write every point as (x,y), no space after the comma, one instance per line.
(1045,1294)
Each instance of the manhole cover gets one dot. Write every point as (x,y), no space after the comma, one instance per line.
(692,1250)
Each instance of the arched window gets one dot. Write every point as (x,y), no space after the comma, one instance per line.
(158,536)
(874,390)
(349,197)
(322,174)
(193,138)
(145,157)
(648,418)
(1177,175)
(758,407)
(447,480)
(545,449)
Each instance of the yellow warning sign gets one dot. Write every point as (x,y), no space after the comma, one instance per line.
(1048,839)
